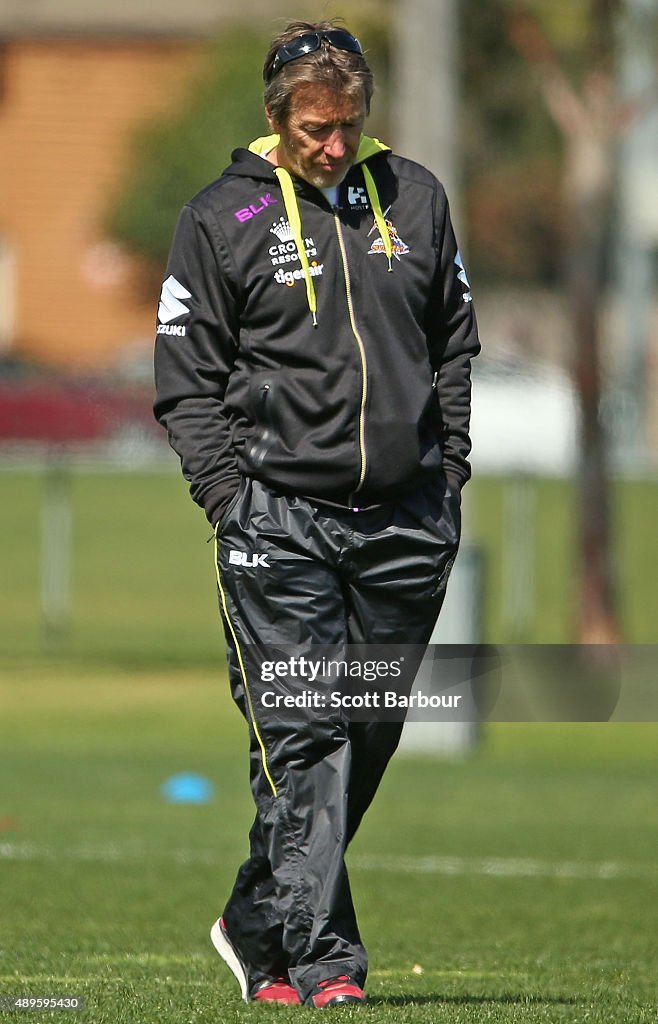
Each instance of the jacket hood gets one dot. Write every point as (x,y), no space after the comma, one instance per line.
(250,163)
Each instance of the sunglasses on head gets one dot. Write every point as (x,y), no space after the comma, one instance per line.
(309,42)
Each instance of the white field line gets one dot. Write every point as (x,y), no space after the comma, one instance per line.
(504,867)
(132,852)
(497,867)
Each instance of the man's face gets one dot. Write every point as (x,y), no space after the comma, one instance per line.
(321,136)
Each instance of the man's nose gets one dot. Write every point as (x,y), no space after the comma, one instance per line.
(335,144)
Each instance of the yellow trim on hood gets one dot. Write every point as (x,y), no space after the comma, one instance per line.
(263,145)
(367,147)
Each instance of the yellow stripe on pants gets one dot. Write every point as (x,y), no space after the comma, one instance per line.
(243,671)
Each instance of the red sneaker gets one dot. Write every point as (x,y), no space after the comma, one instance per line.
(278,991)
(338,991)
(230,956)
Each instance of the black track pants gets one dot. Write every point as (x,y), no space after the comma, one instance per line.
(292,574)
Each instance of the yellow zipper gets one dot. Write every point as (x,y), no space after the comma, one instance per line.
(362,354)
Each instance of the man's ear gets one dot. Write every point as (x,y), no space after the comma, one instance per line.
(272,122)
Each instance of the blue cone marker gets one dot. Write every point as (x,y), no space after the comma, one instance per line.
(187,788)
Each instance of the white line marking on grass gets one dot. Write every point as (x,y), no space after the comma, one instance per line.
(45,979)
(100,979)
(405,972)
(503,867)
(163,959)
(106,853)
(495,867)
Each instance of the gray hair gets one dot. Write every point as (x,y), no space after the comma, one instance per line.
(342,72)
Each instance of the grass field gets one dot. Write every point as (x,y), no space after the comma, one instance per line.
(520,884)
(522,881)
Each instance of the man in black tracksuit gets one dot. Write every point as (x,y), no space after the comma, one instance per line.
(315,332)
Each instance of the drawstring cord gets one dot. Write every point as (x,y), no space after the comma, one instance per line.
(295,221)
(380,221)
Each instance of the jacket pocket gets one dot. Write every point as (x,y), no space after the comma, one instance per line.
(448,526)
(261,402)
(444,575)
(230,508)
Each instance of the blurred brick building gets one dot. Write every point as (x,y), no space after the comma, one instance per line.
(75,79)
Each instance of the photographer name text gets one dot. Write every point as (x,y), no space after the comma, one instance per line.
(376,699)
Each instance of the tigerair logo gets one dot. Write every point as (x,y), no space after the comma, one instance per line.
(400,248)
(291,277)
(248,561)
(171,307)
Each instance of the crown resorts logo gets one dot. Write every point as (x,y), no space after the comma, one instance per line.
(281,228)
(286,252)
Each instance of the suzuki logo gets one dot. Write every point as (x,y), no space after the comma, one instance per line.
(249,561)
(170,305)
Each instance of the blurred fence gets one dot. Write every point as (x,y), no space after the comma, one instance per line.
(123,549)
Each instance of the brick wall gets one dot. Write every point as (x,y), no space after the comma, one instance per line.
(67,109)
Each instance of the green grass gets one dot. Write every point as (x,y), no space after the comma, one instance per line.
(517,885)
(484,873)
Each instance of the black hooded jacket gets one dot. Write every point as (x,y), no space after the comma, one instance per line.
(368,404)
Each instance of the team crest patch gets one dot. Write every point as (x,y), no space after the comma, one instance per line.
(400,248)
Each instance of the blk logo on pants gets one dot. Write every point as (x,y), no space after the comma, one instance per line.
(248,561)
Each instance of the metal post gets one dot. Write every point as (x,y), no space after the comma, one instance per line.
(519,526)
(426,92)
(56,551)
(459,624)
(426,109)
(638,236)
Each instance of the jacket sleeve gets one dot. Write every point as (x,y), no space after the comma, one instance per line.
(453,341)
(195,349)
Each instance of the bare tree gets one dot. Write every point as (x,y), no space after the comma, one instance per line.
(591,120)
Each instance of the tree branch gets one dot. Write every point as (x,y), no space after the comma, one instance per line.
(562,101)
